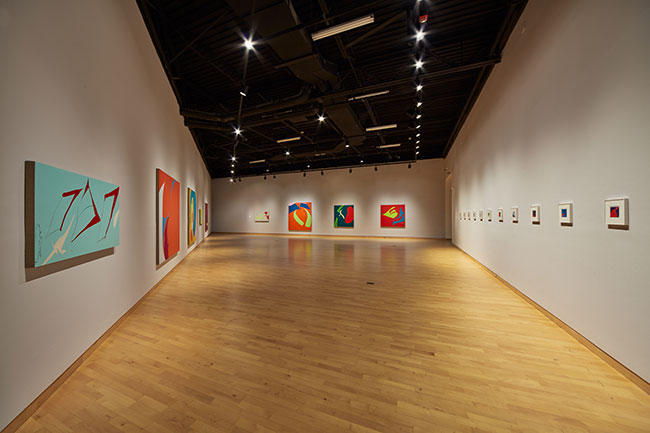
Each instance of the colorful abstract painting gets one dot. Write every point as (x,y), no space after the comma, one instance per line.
(344,216)
(67,215)
(191,216)
(393,215)
(566,214)
(206,217)
(168,216)
(616,213)
(262,216)
(300,217)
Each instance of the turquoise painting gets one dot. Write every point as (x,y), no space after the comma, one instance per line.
(70,215)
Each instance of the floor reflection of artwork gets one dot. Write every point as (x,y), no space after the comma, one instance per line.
(344,216)
(393,256)
(300,217)
(168,216)
(393,215)
(67,215)
(344,253)
(191,216)
(299,251)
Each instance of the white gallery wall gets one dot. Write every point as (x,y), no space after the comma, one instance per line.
(420,188)
(566,118)
(83,90)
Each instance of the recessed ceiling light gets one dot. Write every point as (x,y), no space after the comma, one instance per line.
(237,131)
(418,64)
(321,118)
(248,43)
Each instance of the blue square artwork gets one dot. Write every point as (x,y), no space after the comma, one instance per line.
(564,213)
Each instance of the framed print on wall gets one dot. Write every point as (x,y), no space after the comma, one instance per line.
(262,216)
(500,214)
(300,217)
(200,218)
(168,202)
(67,215)
(489,215)
(474,215)
(344,216)
(392,215)
(206,217)
(191,216)
(535,216)
(616,213)
(514,214)
(565,211)
(480,215)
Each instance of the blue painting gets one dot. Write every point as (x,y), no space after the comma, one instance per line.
(73,215)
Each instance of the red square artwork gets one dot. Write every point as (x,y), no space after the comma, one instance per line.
(614,212)
(393,215)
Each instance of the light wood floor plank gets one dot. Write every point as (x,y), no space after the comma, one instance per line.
(298,334)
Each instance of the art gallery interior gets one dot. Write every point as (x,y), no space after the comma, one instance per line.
(325,215)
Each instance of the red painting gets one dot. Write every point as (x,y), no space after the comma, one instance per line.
(168,221)
(393,215)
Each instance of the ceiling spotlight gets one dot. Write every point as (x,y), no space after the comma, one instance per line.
(308,165)
(362,161)
(321,118)
(234,159)
(267,170)
(347,145)
(418,116)
(335,30)
(417,153)
(418,65)
(419,104)
(286,153)
(232,171)
(232,165)
(231,180)
(418,127)
(248,43)
(419,35)
(417,135)
(417,141)
(237,131)
(244,91)
(417,147)
(418,85)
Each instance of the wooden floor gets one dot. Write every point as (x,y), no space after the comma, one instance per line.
(293,334)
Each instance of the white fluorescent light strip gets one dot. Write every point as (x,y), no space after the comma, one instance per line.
(369,95)
(288,139)
(379,128)
(319,154)
(386,146)
(258,161)
(335,30)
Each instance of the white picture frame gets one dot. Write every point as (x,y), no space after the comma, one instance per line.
(489,215)
(514,214)
(616,213)
(535,216)
(500,214)
(565,214)
(480,215)
(474,215)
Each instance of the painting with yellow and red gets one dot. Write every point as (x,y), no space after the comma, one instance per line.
(393,215)
(344,216)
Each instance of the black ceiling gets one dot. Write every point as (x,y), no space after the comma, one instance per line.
(290,80)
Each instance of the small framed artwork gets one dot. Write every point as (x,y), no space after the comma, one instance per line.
(566,214)
(616,214)
(480,215)
(474,215)
(489,215)
(535,217)
(465,215)
(514,214)
(200,217)
(500,214)
(460,215)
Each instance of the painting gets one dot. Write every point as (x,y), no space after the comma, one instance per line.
(262,216)
(206,217)
(500,215)
(489,215)
(392,215)
(616,213)
(480,215)
(300,217)
(460,216)
(67,215)
(514,214)
(535,216)
(191,216)
(167,216)
(344,216)
(565,211)
(200,218)
(474,215)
